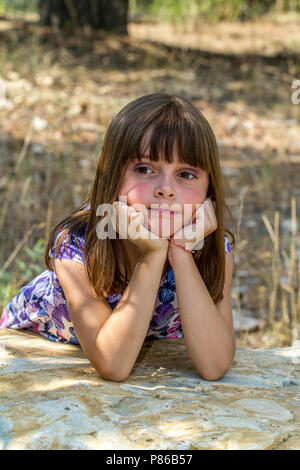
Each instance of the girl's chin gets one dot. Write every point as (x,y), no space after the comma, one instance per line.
(163,230)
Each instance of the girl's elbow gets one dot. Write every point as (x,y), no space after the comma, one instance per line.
(112,374)
(212,376)
(108,369)
(113,377)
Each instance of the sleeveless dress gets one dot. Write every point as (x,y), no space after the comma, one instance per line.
(41,305)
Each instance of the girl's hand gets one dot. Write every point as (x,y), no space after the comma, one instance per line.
(129,224)
(204,222)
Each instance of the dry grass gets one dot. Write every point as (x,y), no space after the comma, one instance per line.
(267,35)
(57,103)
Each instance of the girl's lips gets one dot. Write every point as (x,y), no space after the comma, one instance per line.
(163,211)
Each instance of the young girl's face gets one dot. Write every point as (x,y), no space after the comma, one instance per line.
(150,185)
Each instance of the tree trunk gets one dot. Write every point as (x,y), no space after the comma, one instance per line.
(110,15)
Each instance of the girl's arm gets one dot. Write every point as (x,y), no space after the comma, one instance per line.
(112,339)
(207,328)
(122,336)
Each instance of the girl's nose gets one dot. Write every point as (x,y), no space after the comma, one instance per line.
(166,193)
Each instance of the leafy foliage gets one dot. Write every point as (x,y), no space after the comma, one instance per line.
(213,10)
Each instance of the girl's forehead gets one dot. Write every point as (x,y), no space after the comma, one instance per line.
(175,160)
(160,161)
(163,162)
(144,154)
(168,149)
(158,141)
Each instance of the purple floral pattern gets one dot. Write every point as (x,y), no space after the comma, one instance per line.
(41,305)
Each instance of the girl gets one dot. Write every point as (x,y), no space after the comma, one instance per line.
(109,294)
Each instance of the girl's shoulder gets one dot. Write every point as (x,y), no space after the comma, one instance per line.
(71,245)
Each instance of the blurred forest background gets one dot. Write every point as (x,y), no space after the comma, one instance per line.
(67,67)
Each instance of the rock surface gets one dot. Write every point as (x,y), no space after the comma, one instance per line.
(52,398)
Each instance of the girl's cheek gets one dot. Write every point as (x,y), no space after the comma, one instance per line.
(138,194)
(135,193)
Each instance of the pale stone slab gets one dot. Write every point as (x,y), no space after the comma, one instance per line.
(52,398)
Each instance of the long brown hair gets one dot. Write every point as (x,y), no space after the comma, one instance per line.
(173,120)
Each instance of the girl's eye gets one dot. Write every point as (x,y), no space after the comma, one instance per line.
(142,168)
(188,173)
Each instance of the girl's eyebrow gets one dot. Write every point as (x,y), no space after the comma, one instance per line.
(197,170)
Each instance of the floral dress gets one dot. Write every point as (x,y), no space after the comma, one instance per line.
(41,305)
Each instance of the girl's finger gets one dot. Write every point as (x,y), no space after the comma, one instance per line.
(199,214)
(135,215)
(125,210)
(138,230)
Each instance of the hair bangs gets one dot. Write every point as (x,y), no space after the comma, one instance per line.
(167,140)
